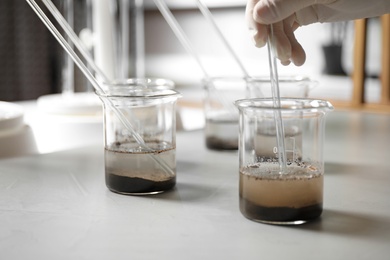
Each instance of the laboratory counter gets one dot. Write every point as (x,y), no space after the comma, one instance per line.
(56,205)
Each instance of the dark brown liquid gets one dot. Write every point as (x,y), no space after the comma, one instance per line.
(279,214)
(138,173)
(296,195)
(215,143)
(132,185)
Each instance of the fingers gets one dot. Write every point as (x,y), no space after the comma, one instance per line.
(280,43)
(259,36)
(285,46)
(258,31)
(298,55)
(271,11)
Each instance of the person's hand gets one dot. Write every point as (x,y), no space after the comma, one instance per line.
(287,15)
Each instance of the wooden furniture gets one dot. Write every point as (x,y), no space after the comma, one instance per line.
(358,75)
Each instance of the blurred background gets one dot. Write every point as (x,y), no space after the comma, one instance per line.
(32,62)
(38,75)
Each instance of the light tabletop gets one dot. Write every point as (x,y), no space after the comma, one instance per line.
(56,205)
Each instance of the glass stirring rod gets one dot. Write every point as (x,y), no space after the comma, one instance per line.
(281,149)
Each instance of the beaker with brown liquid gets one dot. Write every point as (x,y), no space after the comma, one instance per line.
(268,193)
(221,124)
(147,109)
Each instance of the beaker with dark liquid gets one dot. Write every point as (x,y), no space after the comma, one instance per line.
(147,113)
(267,194)
(221,126)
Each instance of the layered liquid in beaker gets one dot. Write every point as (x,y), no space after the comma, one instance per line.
(269,196)
(140,172)
(222,133)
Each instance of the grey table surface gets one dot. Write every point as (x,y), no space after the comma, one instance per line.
(56,205)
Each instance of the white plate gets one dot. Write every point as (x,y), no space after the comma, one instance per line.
(11,115)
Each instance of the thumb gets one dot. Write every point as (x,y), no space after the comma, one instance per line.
(272,11)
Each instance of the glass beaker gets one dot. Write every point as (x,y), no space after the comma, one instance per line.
(221,126)
(267,195)
(289,86)
(148,107)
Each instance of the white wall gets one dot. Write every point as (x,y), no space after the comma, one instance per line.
(167,58)
(165,54)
